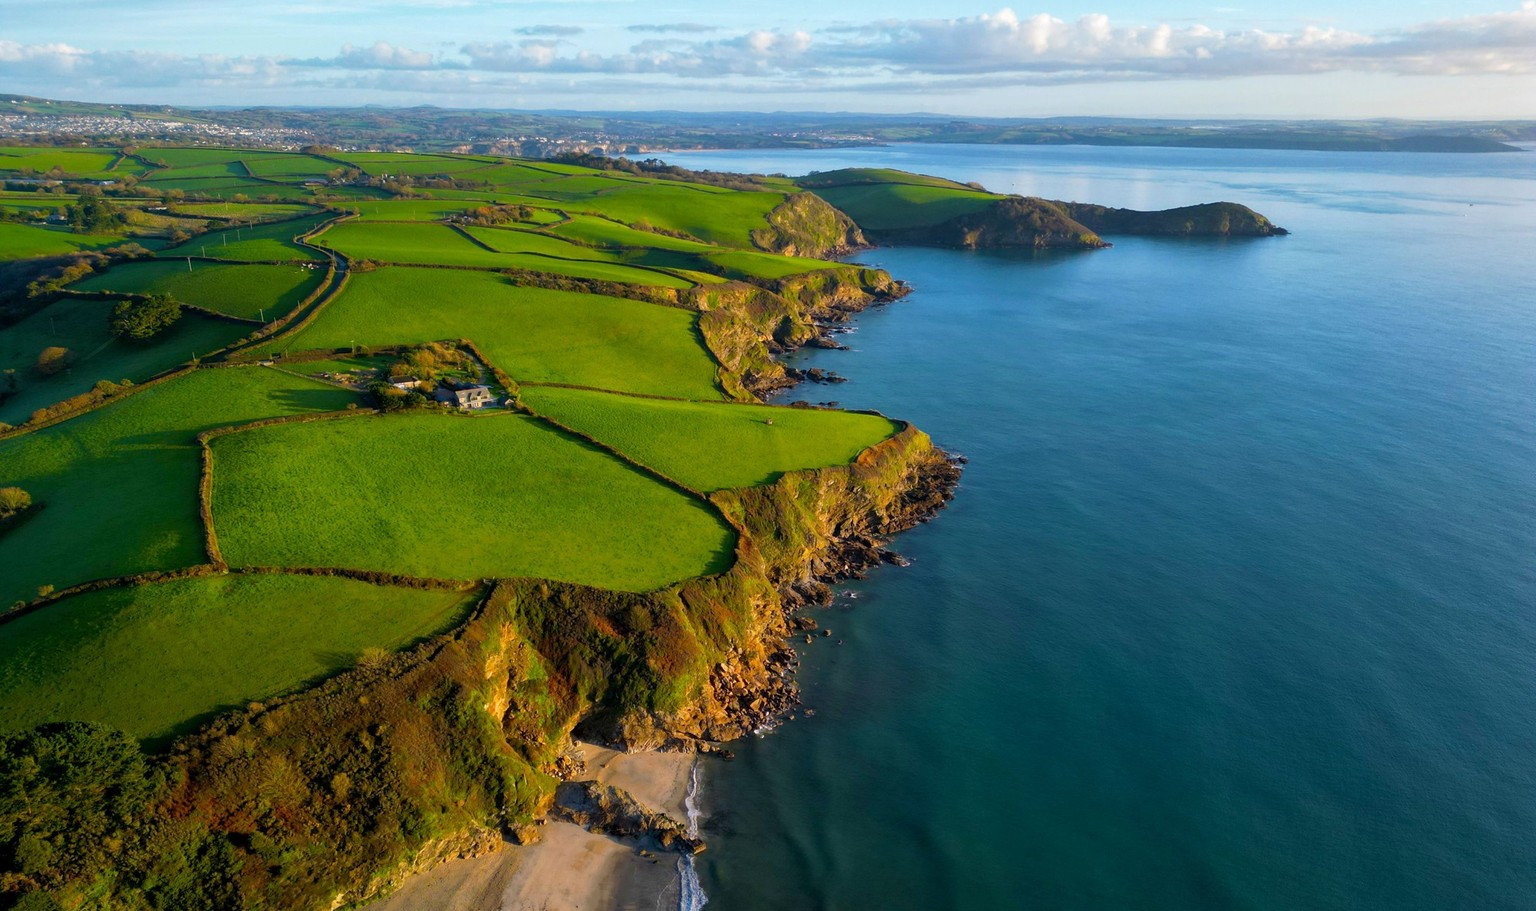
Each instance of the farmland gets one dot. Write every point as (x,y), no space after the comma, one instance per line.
(534,334)
(156,659)
(883,200)
(81,327)
(711,446)
(458,498)
(245,291)
(273,242)
(478,381)
(118,486)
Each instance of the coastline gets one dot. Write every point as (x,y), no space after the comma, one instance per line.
(569,868)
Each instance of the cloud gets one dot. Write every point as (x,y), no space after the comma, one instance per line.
(689,28)
(381,56)
(918,56)
(553,31)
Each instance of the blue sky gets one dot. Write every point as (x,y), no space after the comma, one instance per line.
(1355,58)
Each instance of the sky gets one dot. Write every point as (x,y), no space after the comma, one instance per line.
(1344,59)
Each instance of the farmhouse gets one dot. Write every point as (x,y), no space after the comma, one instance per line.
(405,383)
(469,398)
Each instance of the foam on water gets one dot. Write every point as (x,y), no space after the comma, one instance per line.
(691,895)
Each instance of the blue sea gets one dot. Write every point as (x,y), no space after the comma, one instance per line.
(1236,605)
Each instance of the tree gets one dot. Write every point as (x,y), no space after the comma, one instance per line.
(54,359)
(145,318)
(13,500)
(92,214)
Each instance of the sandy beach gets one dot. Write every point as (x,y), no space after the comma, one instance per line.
(569,869)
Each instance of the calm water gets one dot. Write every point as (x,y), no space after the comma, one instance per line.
(1237,605)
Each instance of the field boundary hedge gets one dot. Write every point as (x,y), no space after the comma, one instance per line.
(29,426)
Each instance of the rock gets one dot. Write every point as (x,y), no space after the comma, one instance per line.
(604,809)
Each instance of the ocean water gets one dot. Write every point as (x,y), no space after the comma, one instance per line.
(1236,607)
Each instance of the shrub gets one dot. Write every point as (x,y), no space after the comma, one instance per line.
(54,359)
(13,500)
(145,318)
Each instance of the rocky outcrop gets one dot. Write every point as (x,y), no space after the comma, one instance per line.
(805,225)
(1013,221)
(608,810)
(1213,219)
(744,325)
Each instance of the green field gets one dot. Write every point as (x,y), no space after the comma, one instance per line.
(885,200)
(404,163)
(711,214)
(243,211)
(291,167)
(118,486)
(19,241)
(428,244)
(75,162)
(741,264)
(448,496)
(244,291)
(601,232)
(410,209)
(158,659)
(217,169)
(533,334)
(267,242)
(82,327)
(712,446)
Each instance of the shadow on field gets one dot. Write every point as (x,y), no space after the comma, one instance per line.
(305,399)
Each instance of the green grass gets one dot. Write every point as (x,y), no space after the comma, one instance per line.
(81,326)
(156,660)
(456,497)
(439,245)
(532,333)
(270,242)
(75,162)
(118,486)
(744,265)
(244,291)
(180,176)
(711,214)
(713,446)
(188,158)
(379,163)
(602,232)
(245,210)
(409,209)
(290,166)
(19,241)
(882,200)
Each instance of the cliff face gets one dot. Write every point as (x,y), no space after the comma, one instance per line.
(745,325)
(805,225)
(1014,221)
(1214,219)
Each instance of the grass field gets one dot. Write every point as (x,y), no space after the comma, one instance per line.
(439,245)
(380,163)
(81,326)
(712,446)
(410,209)
(231,168)
(744,265)
(602,232)
(243,211)
(532,333)
(157,659)
(18,241)
(76,162)
(191,158)
(456,497)
(118,486)
(714,215)
(885,200)
(268,242)
(290,167)
(245,291)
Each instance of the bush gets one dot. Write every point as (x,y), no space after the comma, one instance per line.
(54,359)
(145,318)
(13,500)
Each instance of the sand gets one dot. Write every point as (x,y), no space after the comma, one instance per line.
(569,869)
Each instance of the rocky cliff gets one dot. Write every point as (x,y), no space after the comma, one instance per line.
(1213,219)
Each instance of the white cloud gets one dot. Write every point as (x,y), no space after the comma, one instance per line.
(917,55)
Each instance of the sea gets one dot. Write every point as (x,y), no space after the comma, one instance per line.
(1236,605)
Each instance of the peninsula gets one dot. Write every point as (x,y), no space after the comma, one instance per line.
(343,492)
